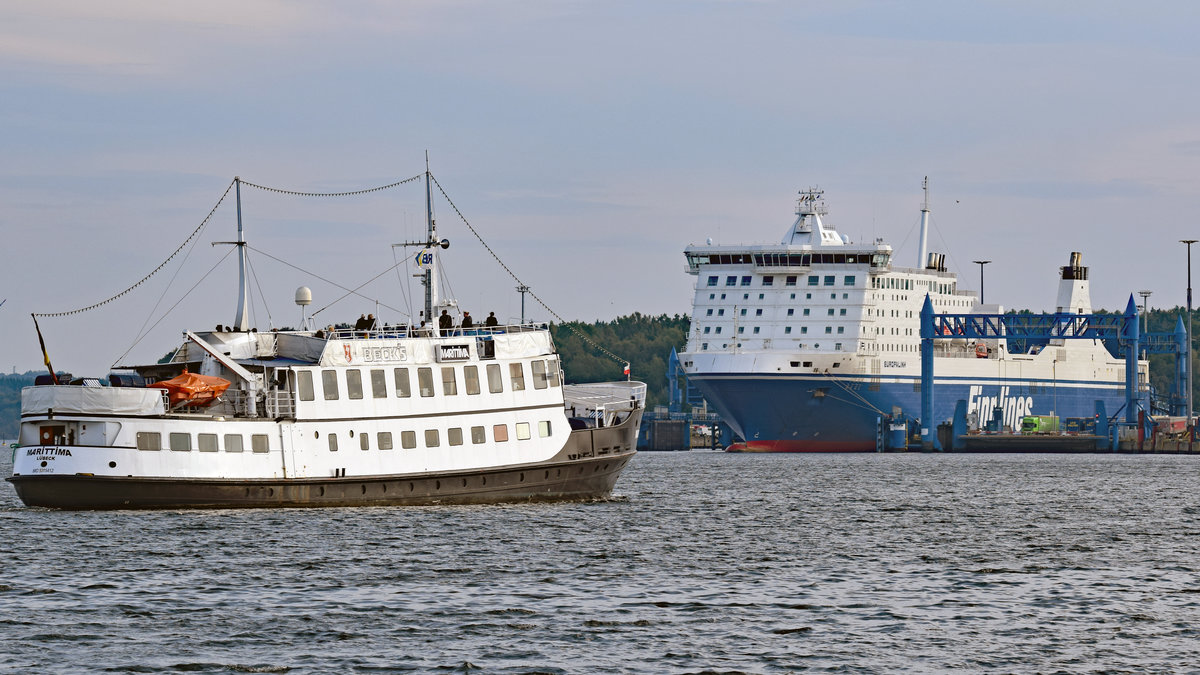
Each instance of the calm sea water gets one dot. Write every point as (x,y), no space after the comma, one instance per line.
(704,562)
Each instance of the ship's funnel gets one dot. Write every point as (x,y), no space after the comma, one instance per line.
(936,262)
(1074,296)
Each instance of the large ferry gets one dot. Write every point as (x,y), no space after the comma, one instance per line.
(356,416)
(812,343)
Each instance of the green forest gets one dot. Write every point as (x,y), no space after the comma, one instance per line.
(644,341)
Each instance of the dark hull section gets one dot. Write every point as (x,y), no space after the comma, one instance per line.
(586,469)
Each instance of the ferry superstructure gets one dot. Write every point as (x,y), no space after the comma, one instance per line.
(382,415)
(808,344)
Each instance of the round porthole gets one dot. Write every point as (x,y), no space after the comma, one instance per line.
(316,434)
(112,465)
(351,433)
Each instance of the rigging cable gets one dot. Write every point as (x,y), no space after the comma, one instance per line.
(541,302)
(155,270)
(333,283)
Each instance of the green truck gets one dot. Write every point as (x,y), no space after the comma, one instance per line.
(1039,424)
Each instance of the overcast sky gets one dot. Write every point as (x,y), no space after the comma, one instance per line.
(588,142)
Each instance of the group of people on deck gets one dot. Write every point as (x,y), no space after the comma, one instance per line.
(446,322)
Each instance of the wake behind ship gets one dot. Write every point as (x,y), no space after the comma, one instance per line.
(371,415)
(811,344)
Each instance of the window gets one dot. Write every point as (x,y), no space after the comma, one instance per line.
(523,431)
(758,312)
(803,330)
(709,312)
(790,281)
(720,312)
(431,438)
(364,441)
(478,436)
(756,330)
(814,280)
(449,384)
(500,433)
(712,281)
(181,442)
(149,440)
(731,281)
(332,442)
(454,436)
(805,311)
(233,442)
(425,381)
(848,280)
(830,311)
(791,311)
(544,428)
(745,281)
(837,346)
(354,384)
(718,330)
(552,372)
(808,296)
(842,312)
(384,440)
(403,384)
(704,347)
(495,382)
(471,378)
(517,374)
(378,384)
(706,329)
(539,374)
(329,384)
(768,281)
(787,330)
(829,280)
(305,384)
(828,330)
(408,439)
(260,443)
(741,329)
(841,329)
(206,442)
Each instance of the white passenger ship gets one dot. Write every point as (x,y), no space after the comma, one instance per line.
(354,417)
(811,343)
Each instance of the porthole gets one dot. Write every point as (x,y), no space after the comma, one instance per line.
(383,487)
(351,433)
(364,489)
(316,434)
(522,476)
(547,474)
(112,465)
(270,492)
(484,480)
(464,482)
(321,492)
(438,485)
(411,487)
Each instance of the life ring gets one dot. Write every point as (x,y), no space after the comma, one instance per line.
(981,350)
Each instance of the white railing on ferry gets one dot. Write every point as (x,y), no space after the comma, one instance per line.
(405,331)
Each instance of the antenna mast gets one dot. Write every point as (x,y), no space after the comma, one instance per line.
(924,225)
(431,239)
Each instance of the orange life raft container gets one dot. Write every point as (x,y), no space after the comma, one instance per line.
(192,389)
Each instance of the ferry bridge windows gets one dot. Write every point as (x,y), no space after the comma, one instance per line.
(431,438)
(332,442)
(500,433)
(789,281)
(544,429)
(768,281)
(495,380)
(731,281)
(180,442)
(454,436)
(517,374)
(233,442)
(539,374)
(552,373)
(449,384)
(378,384)
(384,440)
(712,281)
(830,279)
(425,381)
(814,280)
(408,440)
(471,379)
(478,435)
(354,384)
(403,384)
(848,280)
(523,431)
(304,379)
(260,443)
(149,440)
(329,384)
(745,281)
(206,442)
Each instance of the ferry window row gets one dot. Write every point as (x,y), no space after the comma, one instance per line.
(432,438)
(544,373)
(769,280)
(790,259)
(182,442)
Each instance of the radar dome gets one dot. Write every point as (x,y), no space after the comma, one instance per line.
(303,296)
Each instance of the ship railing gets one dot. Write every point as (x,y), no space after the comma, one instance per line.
(279,403)
(274,404)
(406,331)
(604,402)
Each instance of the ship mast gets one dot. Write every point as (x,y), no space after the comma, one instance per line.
(431,239)
(924,225)
(242,321)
